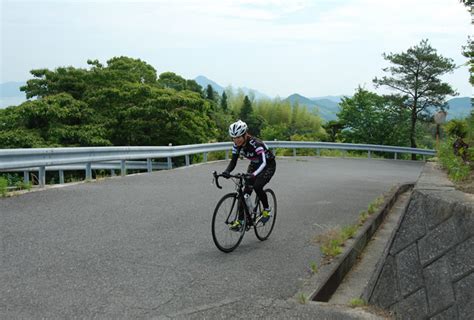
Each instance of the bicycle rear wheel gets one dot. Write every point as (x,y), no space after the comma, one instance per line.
(225,213)
(263,230)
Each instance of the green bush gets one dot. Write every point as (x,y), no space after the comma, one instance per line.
(456,128)
(3,186)
(454,165)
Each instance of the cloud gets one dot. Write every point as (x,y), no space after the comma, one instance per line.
(300,45)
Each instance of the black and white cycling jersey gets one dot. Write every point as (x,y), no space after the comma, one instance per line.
(256,151)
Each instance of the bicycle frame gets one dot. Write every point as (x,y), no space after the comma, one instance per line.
(250,215)
(239,183)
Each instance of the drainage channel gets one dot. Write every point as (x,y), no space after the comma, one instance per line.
(323,285)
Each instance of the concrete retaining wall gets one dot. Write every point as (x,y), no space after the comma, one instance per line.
(428,269)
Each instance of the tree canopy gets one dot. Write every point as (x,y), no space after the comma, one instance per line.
(415,77)
(125,102)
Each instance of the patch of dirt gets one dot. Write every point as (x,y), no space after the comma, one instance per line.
(467,185)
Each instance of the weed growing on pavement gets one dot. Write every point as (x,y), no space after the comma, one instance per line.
(374,205)
(357,302)
(348,232)
(313,267)
(302,298)
(332,241)
(363,215)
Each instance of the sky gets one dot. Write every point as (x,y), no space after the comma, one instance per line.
(314,48)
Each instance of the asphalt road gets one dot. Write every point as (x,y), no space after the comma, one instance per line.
(141,246)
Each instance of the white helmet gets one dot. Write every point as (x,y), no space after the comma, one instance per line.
(237,129)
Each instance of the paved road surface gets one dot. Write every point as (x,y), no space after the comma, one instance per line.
(141,246)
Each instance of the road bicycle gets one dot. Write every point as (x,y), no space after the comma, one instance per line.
(233,206)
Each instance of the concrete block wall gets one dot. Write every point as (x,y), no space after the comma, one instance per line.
(428,272)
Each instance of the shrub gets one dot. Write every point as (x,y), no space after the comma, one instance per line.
(3,186)
(455,166)
(456,128)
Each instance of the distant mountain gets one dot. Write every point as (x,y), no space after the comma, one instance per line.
(326,108)
(204,82)
(336,99)
(459,108)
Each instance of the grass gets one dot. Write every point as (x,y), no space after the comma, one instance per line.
(348,232)
(357,302)
(302,298)
(313,267)
(20,185)
(3,186)
(363,216)
(456,168)
(332,241)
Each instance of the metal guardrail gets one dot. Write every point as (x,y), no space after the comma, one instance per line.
(123,158)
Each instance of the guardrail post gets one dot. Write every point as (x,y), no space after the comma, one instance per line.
(227,154)
(395,156)
(26,177)
(424,157)
(42,176)
(294,152)
(149,165)
(205,157)
(88,171)
(123,168)
(112,173)
(318,152)
(369,155)
(61,176)
(186,157)
(170,164)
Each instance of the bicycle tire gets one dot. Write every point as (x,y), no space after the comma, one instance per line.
(263,231)
(226,211)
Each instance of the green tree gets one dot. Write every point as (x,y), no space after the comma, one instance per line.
(246,111)
(192,85)
(370,118)
(121,103)
(223,102)
(56,120)
(254,122)
(333,129)
(172,80)
(415,76)
(62,80)
(468,52)
(125,69)
(210,94)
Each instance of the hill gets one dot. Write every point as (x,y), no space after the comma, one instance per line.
(459,108)
(204,82)
(326,108)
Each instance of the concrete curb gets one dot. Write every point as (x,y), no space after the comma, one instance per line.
(323,284)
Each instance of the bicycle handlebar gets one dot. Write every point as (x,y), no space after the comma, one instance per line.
(217,176)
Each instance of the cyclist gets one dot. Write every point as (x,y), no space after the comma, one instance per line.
(260,170)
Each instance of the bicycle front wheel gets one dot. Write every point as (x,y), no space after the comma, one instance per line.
(263,230)
(227,210)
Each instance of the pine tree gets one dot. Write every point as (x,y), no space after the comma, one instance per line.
(210,92)
(224,105)
(246,110)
